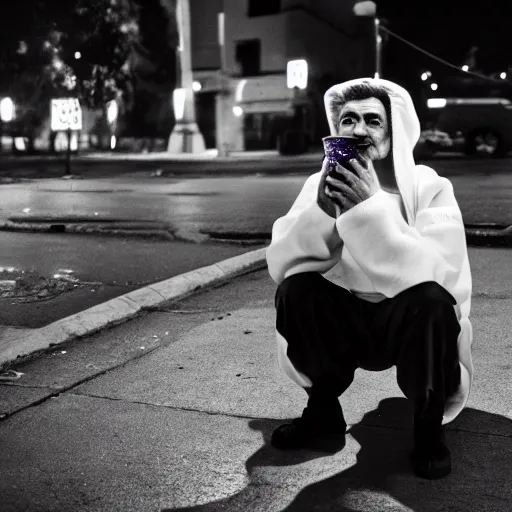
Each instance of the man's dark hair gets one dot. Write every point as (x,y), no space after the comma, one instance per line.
(361,91)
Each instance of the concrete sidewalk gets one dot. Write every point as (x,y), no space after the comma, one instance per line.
(173,411)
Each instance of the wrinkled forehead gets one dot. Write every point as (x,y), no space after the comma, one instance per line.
(364,107)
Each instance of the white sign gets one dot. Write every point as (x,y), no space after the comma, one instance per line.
(297,74)
(66,114)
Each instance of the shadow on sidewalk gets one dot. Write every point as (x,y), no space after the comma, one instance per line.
(382,467)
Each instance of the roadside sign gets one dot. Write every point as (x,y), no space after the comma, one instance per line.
(297,74)
(66,114)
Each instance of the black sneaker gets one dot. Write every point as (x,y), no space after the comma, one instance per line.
(325,433)
(430,457)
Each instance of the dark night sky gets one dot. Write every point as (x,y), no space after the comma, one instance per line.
(447,29)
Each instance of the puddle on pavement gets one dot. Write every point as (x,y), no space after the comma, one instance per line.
(21,286)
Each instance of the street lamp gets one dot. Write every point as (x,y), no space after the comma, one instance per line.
(368,9)
(378,48)
(185,136)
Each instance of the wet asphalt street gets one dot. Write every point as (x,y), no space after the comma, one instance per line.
(188,209)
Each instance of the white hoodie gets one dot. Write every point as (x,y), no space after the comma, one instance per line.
(371,249)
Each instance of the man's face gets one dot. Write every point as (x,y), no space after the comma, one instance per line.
(367,121)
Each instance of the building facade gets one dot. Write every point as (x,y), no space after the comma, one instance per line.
(242,97)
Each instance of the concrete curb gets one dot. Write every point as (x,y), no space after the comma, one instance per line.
(21,343)
(484,235)
(489,235)
(133,229)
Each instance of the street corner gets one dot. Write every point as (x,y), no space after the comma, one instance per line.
(125,307)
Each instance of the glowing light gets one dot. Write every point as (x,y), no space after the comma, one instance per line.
(112,111)
(297,74)
(436,103)
(7,110)
(178,98)
(240,89)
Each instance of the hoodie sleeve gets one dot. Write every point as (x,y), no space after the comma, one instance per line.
(305,239)
(395,255)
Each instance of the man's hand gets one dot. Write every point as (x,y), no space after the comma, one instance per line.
(325,202)
(347,188)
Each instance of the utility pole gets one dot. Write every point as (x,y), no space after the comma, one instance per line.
(368,9)
(378,48)
(222,145)
(185,136)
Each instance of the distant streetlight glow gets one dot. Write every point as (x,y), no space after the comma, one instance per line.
(424,76)
(78,55)
(22,48)
(433,87)
(436,103)
(465,68)
(112,111)
(6,110)
(365,8)
(503,75)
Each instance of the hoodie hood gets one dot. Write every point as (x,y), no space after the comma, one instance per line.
(406,130)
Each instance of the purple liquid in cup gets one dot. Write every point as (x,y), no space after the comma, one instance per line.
(339,149)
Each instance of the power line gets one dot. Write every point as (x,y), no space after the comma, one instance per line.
(442,61)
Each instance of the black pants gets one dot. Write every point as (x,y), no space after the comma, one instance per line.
(331,332)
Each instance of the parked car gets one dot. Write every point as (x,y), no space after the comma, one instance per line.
(475,125)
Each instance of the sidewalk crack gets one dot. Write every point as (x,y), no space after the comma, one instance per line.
(172,407)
